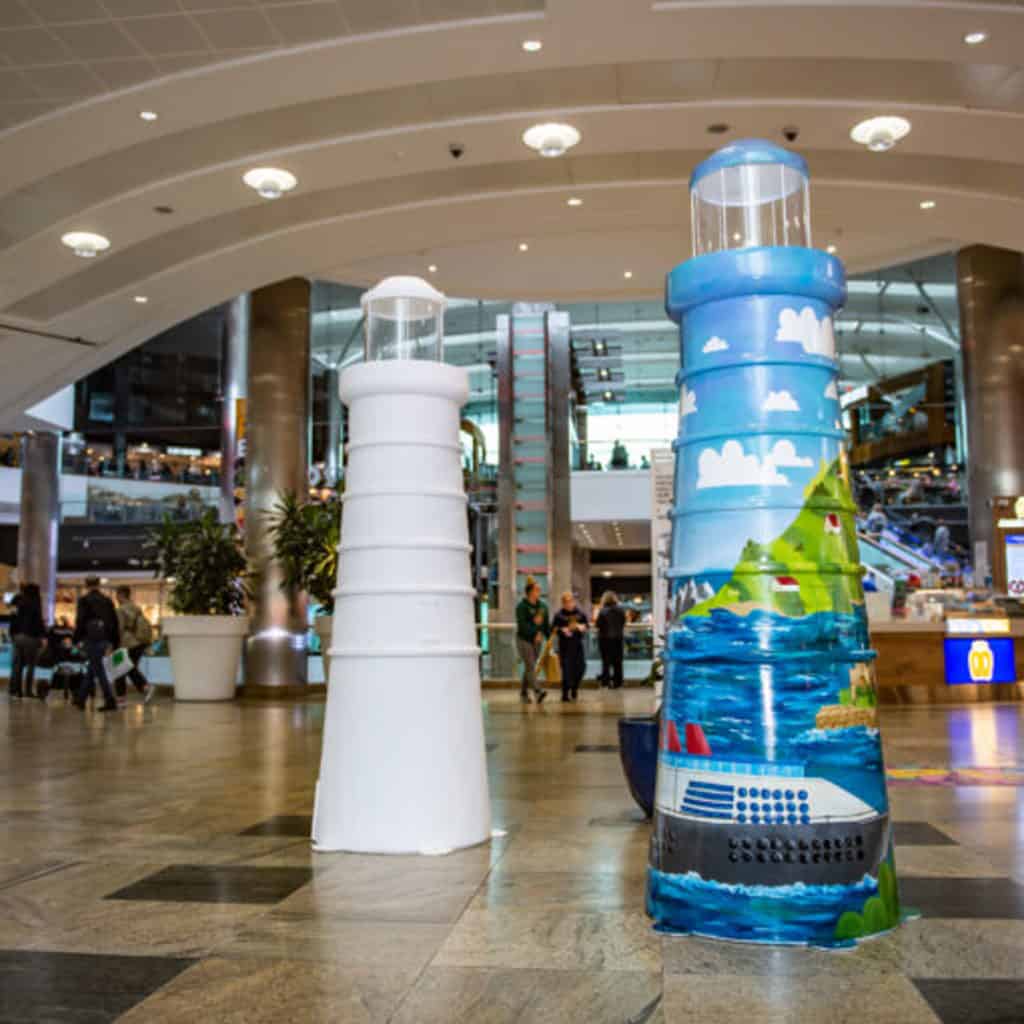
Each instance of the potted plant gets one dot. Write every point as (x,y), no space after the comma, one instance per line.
(204,563)
(306,539)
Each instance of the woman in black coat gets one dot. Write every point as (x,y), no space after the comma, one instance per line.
(28,639)
(569,625)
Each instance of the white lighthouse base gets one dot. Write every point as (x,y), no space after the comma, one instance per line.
(403,768)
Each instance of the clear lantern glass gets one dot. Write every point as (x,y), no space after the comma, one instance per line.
(404,320)
(740,205)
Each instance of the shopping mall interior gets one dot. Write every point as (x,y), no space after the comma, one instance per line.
(346,342)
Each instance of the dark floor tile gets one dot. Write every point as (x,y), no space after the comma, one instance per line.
(298,825)
(920,833)
(628,819)
(597,748)
(75,988)
(974,1001)
(197,883)
(982,898)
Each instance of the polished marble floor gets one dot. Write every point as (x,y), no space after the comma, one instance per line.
(154,868)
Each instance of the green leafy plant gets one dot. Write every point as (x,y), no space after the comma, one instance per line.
(305,539)
(879,913)
(206,562)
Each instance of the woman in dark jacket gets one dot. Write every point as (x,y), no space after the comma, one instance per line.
(28,638)
(611,628)
(569,625)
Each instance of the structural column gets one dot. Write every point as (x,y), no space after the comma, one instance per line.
(40,515)
(332,456)
(276,461)
(234,357)
(990,289)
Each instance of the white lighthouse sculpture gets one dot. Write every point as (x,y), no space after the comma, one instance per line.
(403,766)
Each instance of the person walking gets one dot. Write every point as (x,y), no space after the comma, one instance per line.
(136,636)
(569,626)
(532,628)
(611,629)
(97,631)
(28,639)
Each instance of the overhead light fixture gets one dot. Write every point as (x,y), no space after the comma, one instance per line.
(604,373)
(142,299)
(270,182)
(85,243)
(533,45)
(830,249)
(975,38)
(927,204)
(432,268)
(608,396)
(627,274)
(607,573)
(523,246)
(574,201)
(880,134)
(149,115)
(552,139)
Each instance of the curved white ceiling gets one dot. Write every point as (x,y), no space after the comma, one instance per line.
(364,114)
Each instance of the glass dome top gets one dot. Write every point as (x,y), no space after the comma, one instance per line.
(751,193)
(404,320)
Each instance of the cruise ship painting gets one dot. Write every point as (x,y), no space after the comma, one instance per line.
(752,822)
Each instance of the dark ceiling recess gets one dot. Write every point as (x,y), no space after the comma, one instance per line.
(601,556)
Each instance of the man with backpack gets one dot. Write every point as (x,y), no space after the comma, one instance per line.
(136,636)
(97,632)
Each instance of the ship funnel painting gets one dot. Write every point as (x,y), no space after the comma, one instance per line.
(771,814)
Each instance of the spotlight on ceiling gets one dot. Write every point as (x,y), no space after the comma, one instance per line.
(149,115)
(270,182)
(830,249)
(927,204)
(85,243)
(551,140)
(532,45)
(524,246)
(880,134)
(608,396)
(142,299)
(627,274)
(432,268)
(604,373)
(975,38)
(574,201)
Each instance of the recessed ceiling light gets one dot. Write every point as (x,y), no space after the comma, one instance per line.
(574,201)
(551,139)
(603,373)
(880,133)
(270,182)
(927,204)
(975,38)
(142,299)
(532,45)
(523,246)
(432,268)
(627,274)
(830,249)
(85,243)
(607,573)
(148,115)
(608,396)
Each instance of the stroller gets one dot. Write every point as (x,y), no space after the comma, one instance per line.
(66,662)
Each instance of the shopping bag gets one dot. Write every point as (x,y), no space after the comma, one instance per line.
(550,665)
(118,664)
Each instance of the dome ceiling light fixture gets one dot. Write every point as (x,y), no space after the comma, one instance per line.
(141,300)
(975,38)
(270,182)
(927,204)
(85,244)
(149,115)
(551,140)
(533,45)
(880,134)
(574,201)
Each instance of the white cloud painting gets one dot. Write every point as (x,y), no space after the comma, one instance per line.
(715,344)
(804,328)
(687,402)
(779,401)
(831,391)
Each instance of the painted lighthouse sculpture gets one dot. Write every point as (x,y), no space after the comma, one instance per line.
(771,815)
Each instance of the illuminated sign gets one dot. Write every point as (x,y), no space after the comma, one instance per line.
(980,660)
(976,627)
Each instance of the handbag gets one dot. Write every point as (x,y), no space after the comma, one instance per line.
(550,665)
(118,664)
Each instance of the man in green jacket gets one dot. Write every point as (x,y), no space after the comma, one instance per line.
(532,628)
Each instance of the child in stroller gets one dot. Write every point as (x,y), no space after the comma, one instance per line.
(66,661)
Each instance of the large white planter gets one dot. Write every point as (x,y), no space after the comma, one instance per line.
(324,626)
(403,768)
(206,651)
